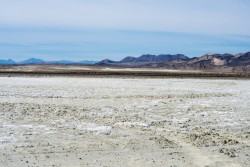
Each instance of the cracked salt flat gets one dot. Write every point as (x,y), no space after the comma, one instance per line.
(124,122)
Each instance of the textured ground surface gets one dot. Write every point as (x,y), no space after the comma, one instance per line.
(124,122)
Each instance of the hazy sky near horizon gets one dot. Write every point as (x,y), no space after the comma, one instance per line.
(98,29)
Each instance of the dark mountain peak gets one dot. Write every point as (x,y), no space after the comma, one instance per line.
(148,58)
(167,57)
(244,56)
(105,62)
(128,59)
(179,57)
(145,58)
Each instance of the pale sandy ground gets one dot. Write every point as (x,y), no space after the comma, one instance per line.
(86,68)
(124,122)
(150,69)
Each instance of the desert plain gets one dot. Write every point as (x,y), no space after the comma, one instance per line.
(92,121)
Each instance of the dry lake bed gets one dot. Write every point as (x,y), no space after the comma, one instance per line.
(71,122)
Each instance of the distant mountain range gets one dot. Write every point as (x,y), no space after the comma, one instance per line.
(147,58)
(40,61)
(229,62)
(9,61)
(222,62)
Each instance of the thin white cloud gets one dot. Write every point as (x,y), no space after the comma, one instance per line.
(203,16)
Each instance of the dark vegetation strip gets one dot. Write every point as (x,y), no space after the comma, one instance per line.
(125,73)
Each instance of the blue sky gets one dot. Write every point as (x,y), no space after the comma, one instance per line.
(98,29)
